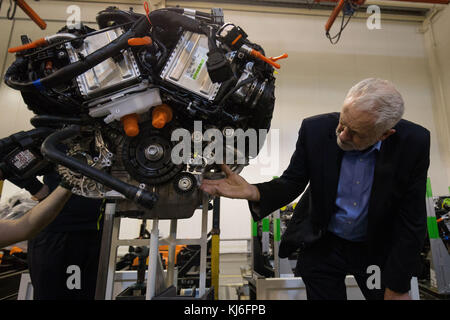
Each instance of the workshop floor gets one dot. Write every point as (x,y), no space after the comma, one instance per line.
(230,276)
(232,286)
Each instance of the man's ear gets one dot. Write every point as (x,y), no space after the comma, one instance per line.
(387,134)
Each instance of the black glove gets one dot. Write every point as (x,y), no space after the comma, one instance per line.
(65,184)
(32,185)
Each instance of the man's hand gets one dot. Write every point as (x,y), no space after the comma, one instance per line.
(233,186)
(392,295)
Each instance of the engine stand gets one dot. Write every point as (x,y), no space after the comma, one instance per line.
(159,286)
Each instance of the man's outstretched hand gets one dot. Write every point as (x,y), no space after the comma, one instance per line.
(233,186)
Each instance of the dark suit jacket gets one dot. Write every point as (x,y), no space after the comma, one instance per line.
(397,212)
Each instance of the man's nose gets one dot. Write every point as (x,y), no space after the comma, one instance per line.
(345,135)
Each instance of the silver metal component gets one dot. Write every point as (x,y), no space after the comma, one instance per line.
(185,183)
(107,74)
(60,36)
(251,90)
(241,93)
(246,93)
(105,156)
(230,56)
(259,94)
(81,185)
(111,97)
(114,195)
(138,194)
(186,67)
(190,13)
(154,152)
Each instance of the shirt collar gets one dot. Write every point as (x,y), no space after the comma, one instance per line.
(376,146)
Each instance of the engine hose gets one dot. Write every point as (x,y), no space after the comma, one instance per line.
(165,18)
(187,11)
(50,151)
(46,120)
(139,28)
(118,16)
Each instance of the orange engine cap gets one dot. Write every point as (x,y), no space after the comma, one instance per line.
(144,41)
(15,250)
(130,124)
(161,115)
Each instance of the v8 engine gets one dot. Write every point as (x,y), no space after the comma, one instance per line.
(112,99)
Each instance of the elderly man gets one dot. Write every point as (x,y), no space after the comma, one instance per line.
(364,210)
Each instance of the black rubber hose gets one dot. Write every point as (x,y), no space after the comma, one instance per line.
(74,69)
(46,120)
(172,20)
(181,11)
(104,17)
(50,151)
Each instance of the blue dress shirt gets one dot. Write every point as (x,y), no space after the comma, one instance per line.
(353,194)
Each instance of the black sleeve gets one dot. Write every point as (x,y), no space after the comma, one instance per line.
(410,225)
(281,191)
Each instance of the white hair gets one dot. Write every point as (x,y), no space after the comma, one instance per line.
(380,98)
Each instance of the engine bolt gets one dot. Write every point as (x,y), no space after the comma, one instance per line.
(154,152)
(185,183)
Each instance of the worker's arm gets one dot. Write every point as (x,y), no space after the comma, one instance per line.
(26,227)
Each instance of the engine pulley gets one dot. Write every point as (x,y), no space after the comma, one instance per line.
(147,156)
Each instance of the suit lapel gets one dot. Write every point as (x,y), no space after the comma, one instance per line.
(382,178)
(332,167)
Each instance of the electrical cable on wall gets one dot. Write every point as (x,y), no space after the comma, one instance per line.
(10,15)
(335,39)
(348,8)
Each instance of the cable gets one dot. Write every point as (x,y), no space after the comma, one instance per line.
(77,38)
(10,15)
(343,25)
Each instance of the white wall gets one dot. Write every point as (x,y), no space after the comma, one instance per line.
(437,44)
(314,79)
